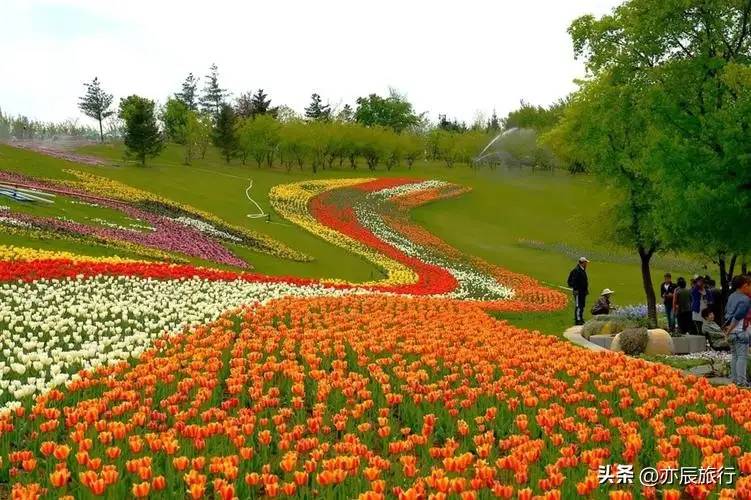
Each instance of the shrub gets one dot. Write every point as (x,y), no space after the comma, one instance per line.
(633,341)
(591,328)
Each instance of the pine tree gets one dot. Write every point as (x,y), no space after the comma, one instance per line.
(494,125)
(316,110)
(224,132)
(260,103)
(213,95)
(188,94)
(95,104)
(347,114)
(142,136)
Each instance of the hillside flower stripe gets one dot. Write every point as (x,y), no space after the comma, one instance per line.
(372,397)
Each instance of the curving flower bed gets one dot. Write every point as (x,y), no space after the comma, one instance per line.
(372,397)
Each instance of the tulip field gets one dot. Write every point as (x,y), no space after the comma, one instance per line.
(180,372)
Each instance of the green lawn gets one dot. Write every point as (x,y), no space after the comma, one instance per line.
(504,207)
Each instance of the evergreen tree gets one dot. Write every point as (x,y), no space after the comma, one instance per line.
(260,103)
(494,125)
(213,95)
(95,104)
(347,114)
(224,132)
(142,136)
(316,110)
(188,94)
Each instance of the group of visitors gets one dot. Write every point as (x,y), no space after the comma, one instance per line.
(691,309)
(685,305)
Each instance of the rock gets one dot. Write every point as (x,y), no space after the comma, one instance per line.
(659,342)
(687,344)
(602,340)
(616,344)
(701,370)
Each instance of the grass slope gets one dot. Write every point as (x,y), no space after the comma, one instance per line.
(503,208)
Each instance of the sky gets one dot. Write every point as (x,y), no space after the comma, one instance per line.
(458,57)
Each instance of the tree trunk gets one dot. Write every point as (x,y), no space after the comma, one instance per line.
(726,277)
(101,132)
(646,275)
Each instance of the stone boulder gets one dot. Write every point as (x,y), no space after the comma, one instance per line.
(659,342)
(615,345)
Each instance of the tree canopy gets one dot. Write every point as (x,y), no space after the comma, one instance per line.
(95,103)
(142,137)
(394,112)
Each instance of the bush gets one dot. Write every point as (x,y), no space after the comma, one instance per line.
(607,325)
(633,341)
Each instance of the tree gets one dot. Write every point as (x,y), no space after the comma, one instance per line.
(394,112)
(224,132)
(292,144)
(538,118)
(413,147)
(142,139)
(692,59)
(316,110)
(175,119)
(451,125)
(252,105)
(197,136)
(95,103)
(213,96)
(494,125)
(188,94)
(346,115)
(258,137)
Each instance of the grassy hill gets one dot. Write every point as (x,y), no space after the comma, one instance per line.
(530,222)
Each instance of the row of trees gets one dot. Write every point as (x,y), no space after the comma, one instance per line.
(665,119)
(24,128)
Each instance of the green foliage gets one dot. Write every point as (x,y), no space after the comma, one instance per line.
(142,137)
(316,110)
(175,120)
(213,96)
(224,136)
(250,106)
(394,112)
(188,93)
(258,137)
(537,118)
(95,103)
(197,136)
(633,341)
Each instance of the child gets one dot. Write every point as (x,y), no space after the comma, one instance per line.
(717,339)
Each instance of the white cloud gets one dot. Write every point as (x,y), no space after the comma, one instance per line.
(447,56)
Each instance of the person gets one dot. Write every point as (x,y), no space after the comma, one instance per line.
(578,281)
(666,293)
(717,339)
(714,297)
(736,327)
(682,306)
(602,306)
(698,303)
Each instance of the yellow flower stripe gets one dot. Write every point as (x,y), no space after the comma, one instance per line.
(291,202)
(97,184)
(11,253)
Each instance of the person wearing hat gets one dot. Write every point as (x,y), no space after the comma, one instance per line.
(602,306)
(579,284)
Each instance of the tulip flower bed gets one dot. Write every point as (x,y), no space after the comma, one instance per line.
(172,227)
(371,396)
(370,217)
